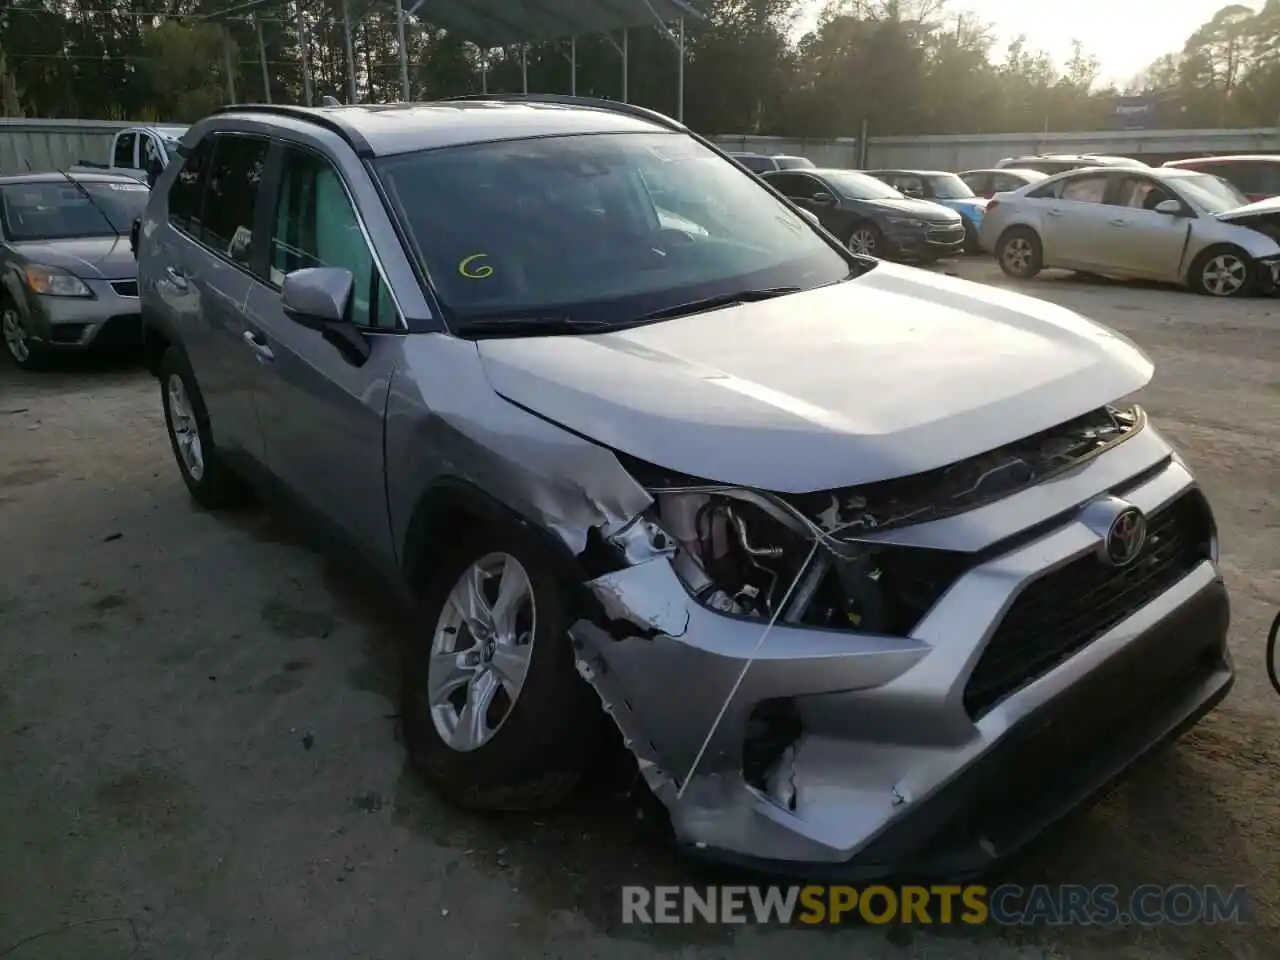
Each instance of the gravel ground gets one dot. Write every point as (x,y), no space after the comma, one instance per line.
(200,760)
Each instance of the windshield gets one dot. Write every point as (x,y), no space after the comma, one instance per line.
(949,186)
(57,209)
(601,226)
(860,186)
(1211,194)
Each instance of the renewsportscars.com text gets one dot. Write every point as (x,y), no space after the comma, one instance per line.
(1007,905)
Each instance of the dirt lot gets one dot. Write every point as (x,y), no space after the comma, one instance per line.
(198,755)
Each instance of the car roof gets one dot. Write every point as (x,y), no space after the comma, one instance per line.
(53,176)
(1253,157)
(914,173)
(1013,170)
(385,129)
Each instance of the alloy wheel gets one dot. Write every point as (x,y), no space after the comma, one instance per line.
(1224,275)
(480,651)
(1018,254)
(863,240)
(15,335)
(186,431)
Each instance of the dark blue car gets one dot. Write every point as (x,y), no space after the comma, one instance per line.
(944,188)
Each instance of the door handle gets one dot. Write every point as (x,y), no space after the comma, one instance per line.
(1055,213)
(257,345)
(1118,221)
(176,277)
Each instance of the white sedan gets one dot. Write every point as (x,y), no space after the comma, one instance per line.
(1178,226)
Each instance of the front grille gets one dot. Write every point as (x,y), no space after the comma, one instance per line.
(1066,610)
(125,288)
(947,234)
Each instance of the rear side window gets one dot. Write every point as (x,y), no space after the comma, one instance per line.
(982,183)
(790,185)
(757,164)
(232,194)
(123,156)
(1084,189)
(186,193)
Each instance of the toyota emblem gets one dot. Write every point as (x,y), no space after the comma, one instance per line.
(1126,537)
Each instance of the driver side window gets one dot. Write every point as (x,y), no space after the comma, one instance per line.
(316,226)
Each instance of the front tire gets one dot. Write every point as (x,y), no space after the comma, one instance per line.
(865,238)
(209,480)
(1020,254)
(1222,272)
(24,354)
(495,715)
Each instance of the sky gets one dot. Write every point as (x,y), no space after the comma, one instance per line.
(1125,35)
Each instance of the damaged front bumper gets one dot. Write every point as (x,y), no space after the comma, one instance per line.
(916,754)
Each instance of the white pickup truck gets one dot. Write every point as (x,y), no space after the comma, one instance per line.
(140,152)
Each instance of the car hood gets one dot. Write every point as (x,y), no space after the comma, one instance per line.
(911,206)
(890,374)
(96,258)
(1270,205)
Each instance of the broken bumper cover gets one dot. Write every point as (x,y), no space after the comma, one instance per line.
(889,773)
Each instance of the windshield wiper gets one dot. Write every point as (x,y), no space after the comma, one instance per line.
(92,202)
(723,300)
(520,326)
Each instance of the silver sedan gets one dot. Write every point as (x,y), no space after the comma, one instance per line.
(1177,226)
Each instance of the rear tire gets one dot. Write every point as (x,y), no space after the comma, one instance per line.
(1019,253)
(534,739)
(209,480)
(1223,271)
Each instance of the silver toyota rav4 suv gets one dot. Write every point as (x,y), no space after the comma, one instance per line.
(873,569)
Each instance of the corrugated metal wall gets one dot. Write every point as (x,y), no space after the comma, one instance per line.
(54,144)
(48,144)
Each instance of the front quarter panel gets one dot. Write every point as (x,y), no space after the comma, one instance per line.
(445,423)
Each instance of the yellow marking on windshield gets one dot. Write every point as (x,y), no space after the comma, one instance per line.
(472,270)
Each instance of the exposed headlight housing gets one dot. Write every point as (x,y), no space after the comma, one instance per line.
(54,282)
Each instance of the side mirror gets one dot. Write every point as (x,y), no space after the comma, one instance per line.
(821,198)
(319,298)
(1170,207)
(810,216)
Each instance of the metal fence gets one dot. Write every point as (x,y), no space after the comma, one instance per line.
(48,144)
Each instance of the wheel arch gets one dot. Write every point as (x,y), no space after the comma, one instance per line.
(449,507)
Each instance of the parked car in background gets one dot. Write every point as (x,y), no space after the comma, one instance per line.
(1178,226)
(765,162)
(139,152)
(1256,176)
(987,183)
(602,458)
(946,189)
(872,217)
(1051,163)
(68,280)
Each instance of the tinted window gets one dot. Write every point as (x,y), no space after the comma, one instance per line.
(793,185)
(1250,176)
(316,226)
(186,192)
(232,194)
(123,156)
(565,224)
(757,164)
(52,210)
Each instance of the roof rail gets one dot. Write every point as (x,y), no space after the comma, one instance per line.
(598,103)
(308,114)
